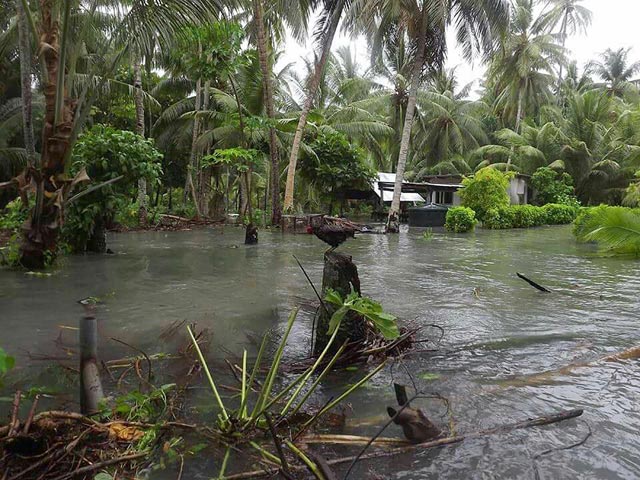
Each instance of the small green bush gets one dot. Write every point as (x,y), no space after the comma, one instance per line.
(460,220)
(14,215)
(499,218)
(553,187)
(527,216)
(487,189)
(558,214)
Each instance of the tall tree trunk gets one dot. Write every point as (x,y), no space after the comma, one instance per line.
(193,159)
(39,243)
(24,47)
(139,101)
(265,67)
(519,112)
(393,221)
(312,89)
(204,174)
(563,33)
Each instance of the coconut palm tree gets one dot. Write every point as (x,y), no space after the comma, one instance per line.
(521,74)
(478,24)
(137,26)
(24,48)
(328,25)
(571,16)
(616,71)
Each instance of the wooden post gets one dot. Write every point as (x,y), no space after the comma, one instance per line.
(341,275)
(91,393)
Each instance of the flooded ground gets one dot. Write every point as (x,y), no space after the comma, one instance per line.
(498,362)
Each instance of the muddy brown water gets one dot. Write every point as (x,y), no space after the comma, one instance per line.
(500,334)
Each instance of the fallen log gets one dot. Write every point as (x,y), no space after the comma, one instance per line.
(534,422)
(533,284)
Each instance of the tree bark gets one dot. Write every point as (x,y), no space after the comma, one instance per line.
(139,102)
(204,174)
(193,159)
(393,221)
(267,84)
(24,47)
(39,242)
(308,104)
(341,275)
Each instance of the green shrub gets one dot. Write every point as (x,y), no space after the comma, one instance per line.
(499,218)
(553,187)
(107,153)
(460,220)
(14,215)
(557,214)
(487,189)
(526,216)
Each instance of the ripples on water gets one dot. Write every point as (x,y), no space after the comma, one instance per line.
(498,341)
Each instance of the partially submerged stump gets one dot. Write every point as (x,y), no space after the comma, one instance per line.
(251,235)
(341,275)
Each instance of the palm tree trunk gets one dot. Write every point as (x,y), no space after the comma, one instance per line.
(393,221)
(308,104)
(204,174)
(193,160)
(39,243)
(139,101)
(563,33)
(519,112)
(265,67)
(24,47)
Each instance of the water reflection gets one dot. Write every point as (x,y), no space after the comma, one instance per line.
(500,333)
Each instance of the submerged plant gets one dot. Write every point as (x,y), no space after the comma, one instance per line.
(427,235)
(383,322)
(245,424)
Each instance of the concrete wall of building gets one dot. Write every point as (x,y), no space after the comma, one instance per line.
(518,191)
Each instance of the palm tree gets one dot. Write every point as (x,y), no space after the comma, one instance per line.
(521,75)
(615,70)
(477,22)
(281,13)
(24,47)
(572,18)
(139,103)
(328,27)
(616,229)
(448,126)
(137,26)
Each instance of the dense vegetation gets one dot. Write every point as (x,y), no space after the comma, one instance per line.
(201,88)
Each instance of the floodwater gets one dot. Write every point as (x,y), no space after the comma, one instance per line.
(501,359)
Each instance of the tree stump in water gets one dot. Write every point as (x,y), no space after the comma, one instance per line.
(98,241)
(341,275)
(251,235)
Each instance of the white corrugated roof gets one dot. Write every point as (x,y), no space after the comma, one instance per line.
(388,195)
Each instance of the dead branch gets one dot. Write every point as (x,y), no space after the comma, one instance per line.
(535,422)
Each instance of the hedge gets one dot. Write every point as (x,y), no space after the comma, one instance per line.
(460,220)
(525,216)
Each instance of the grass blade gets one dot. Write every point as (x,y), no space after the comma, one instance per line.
(208,374)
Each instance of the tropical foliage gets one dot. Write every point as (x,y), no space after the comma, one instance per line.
(200,86)
(485,190)
(460,220)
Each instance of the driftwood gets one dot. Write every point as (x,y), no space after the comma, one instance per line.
(535,422)
(533,284)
